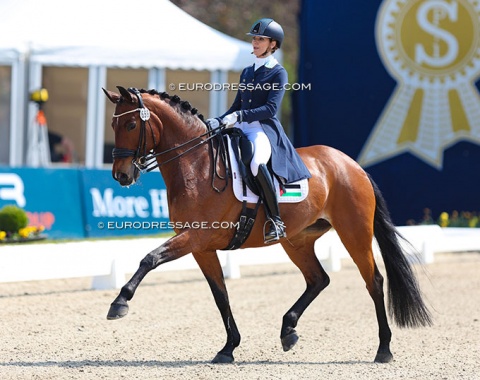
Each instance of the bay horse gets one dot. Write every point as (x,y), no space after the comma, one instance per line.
(151,125)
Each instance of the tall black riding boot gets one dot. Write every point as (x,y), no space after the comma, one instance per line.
(276,229)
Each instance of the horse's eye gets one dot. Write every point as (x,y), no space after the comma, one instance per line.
(131,126)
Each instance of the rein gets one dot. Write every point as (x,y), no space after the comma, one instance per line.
(147,162)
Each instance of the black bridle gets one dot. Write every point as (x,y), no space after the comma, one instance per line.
(147,161)
(139,160)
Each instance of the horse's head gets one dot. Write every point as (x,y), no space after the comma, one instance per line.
(134,135)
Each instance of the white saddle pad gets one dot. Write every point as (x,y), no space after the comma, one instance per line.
(294,192)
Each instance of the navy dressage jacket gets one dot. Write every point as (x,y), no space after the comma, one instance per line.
(259,97)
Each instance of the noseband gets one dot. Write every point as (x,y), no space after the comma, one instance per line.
(147,162)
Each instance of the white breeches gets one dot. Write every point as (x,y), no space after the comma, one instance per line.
(261,143)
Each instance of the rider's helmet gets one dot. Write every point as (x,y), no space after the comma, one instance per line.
(267,27)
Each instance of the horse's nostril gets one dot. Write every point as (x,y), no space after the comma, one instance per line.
(120,176)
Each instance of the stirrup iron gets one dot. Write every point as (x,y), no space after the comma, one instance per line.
(276,231)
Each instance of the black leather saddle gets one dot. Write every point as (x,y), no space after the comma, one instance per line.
(243,150)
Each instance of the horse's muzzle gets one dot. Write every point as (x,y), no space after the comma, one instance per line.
(123,178)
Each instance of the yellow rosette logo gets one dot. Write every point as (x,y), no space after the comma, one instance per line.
(431,47)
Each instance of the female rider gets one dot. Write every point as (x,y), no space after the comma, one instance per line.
(261,90)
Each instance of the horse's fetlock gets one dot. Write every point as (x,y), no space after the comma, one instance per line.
(126,293)
(236,340)
(290,320)
(385,337)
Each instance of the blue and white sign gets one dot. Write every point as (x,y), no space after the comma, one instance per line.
(77,203)
(51,198)
(114,210)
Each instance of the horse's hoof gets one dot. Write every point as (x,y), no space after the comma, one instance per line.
(289,341)
(117,311)
(383,357)
(222,359)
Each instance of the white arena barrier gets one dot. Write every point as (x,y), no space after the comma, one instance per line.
(109,261)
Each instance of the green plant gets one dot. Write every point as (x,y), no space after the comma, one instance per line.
(12,219)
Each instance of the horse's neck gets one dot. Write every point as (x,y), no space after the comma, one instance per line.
(177,131)
(188,170)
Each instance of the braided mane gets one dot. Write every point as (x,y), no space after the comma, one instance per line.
(183,107)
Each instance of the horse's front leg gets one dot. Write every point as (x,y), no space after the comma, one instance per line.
(212,270)
(172,249)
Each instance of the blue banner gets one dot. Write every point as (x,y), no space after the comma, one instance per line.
(395,85)
(77,203)
(51,197)
(112,210)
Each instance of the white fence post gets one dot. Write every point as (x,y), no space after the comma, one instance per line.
(427,252)
(333,262)
(114,280)
(232,268)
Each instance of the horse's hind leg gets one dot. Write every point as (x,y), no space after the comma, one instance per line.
(212,270)
(356,233)
(301,251)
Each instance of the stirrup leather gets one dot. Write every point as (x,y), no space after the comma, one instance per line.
(276,231)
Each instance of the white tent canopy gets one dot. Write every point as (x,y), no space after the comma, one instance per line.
(116,33)
(99,34)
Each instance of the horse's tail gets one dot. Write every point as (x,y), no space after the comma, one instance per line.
(405,301)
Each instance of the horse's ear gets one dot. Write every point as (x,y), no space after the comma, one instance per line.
(127,95)
(112,96)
